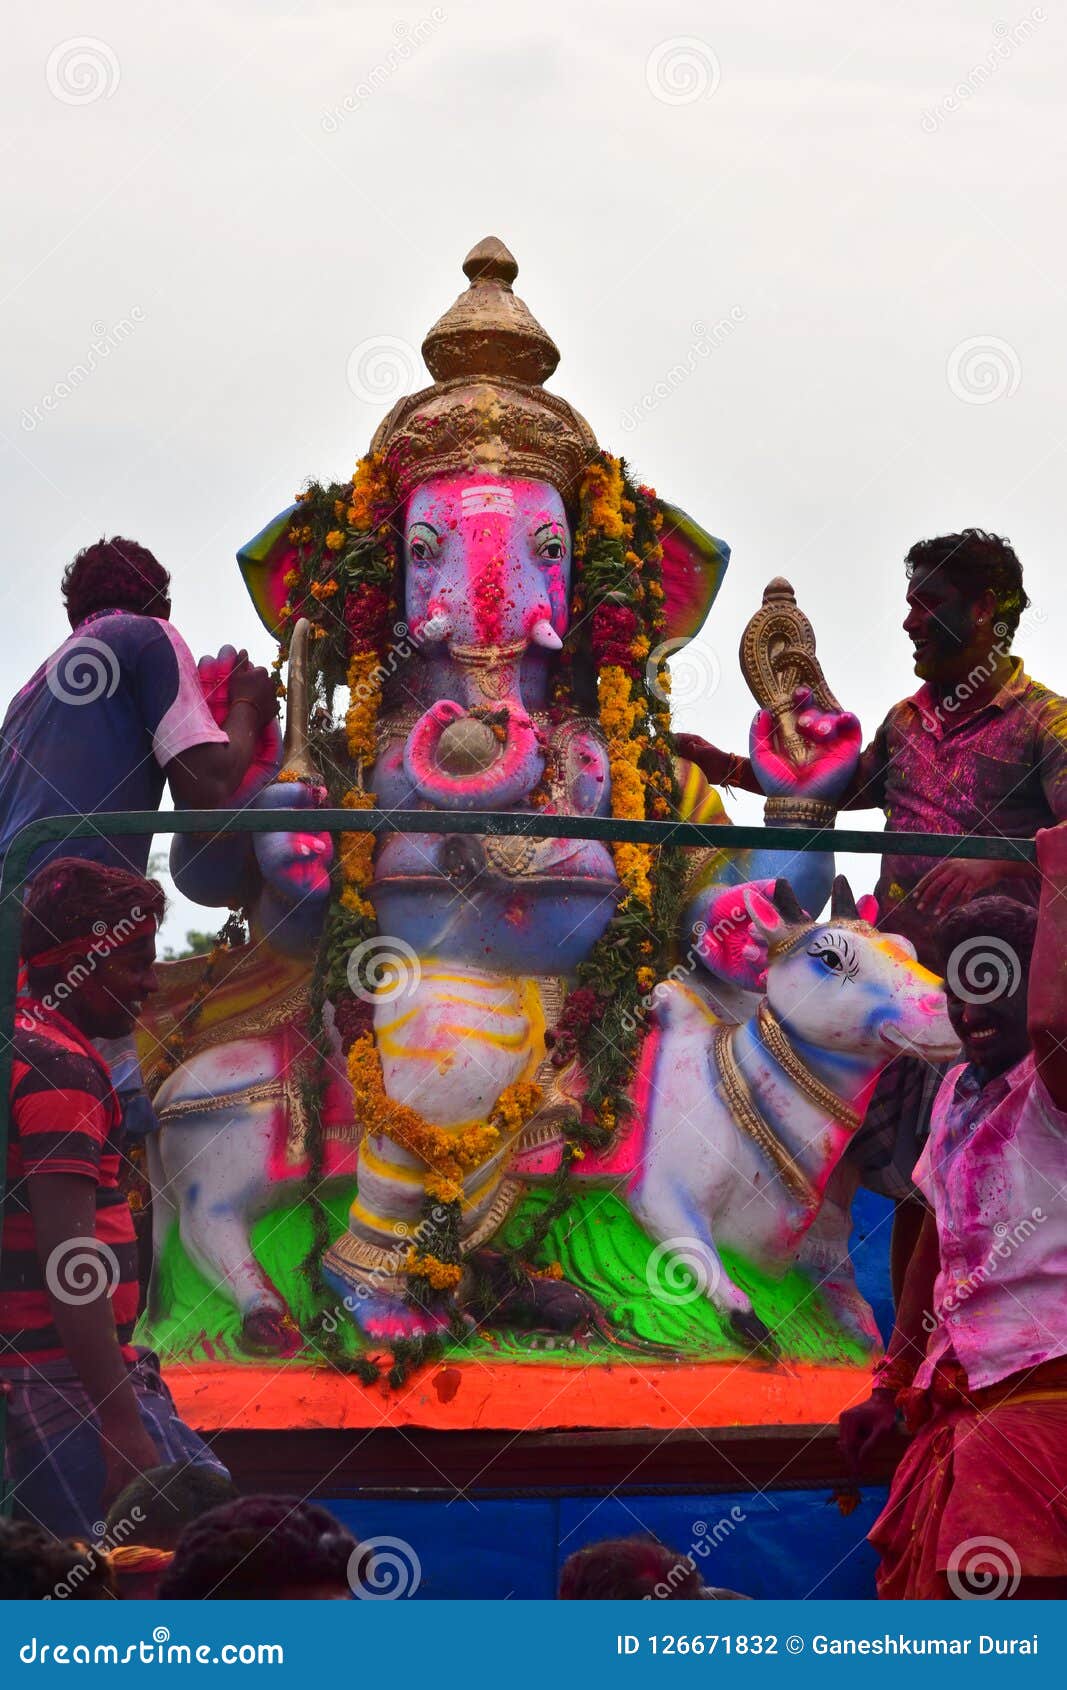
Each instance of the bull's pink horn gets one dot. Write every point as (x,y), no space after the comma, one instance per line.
(437,627)
(543,633)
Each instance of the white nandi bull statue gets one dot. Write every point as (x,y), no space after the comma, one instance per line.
(736,1127)
(739,1126)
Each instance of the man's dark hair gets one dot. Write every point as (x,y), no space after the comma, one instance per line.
(72,897)
(976,562)
(35,1565)
(256,1546)
(1006,920)
(115,574)
(159,1504)
(629,1569)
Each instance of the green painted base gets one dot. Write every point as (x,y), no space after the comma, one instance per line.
(600,1248)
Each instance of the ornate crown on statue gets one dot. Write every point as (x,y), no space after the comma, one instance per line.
(487,409)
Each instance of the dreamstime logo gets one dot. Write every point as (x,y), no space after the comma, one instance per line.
(383,969)
(705,1538)
(983,1569)
(965,689)
(704,343)
(82,671)
(1007,1239)
(694,675)
(681,70)
(104,1541)
(105,940)
(381,369)
(983,369)
(632,1019)
(104,341)
(1006,39)
(677,1272)
(82,70)
(384,1569)
(81,1270)
(933,717)
(378,1278)
(369,686)
(409,39)
(983,969)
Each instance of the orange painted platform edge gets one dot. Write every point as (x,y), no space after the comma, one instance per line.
(469,1396)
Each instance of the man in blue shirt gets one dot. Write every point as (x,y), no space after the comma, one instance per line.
(118,711)
(113,715)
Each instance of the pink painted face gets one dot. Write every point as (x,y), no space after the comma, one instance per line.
(487,562)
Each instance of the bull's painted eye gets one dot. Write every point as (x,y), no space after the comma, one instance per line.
(834,953)
(423,542)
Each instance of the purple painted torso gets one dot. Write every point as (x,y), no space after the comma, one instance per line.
(1001,769)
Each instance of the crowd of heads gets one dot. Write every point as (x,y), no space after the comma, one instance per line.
(182,1533)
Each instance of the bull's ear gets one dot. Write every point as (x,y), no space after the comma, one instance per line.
(766,920)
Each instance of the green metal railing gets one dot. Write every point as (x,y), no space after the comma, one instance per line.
(53,829)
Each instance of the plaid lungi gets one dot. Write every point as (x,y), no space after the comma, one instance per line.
(896,1126)
(54,1460)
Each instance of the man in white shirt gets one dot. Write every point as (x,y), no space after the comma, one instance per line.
(978,1356)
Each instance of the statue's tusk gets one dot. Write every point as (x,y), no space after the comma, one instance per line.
(543,633)
(296,758)
(437,628)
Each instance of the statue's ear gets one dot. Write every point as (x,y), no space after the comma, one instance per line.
(265,562)
(694,564)
(867,908)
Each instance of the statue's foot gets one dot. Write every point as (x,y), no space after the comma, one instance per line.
(752,1334)
(270,1332)
(382,1317)
(389,1321)
(515,1297)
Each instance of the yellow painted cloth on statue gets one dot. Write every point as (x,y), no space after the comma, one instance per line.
(449,1045)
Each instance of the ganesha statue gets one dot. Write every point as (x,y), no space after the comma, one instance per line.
(458,1032)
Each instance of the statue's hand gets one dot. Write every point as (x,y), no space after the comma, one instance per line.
(835,739)
(295,865)
(216,674)
(729,948)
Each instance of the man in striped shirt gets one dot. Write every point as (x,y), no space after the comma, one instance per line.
(87,1412)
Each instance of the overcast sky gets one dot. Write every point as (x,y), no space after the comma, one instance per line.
(804,264)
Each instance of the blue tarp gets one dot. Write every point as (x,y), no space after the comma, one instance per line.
(787,1544)
(770,1544)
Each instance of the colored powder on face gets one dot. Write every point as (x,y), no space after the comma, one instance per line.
(488,598)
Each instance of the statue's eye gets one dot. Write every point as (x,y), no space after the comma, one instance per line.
(424,543)
(551,545)
(835,954)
